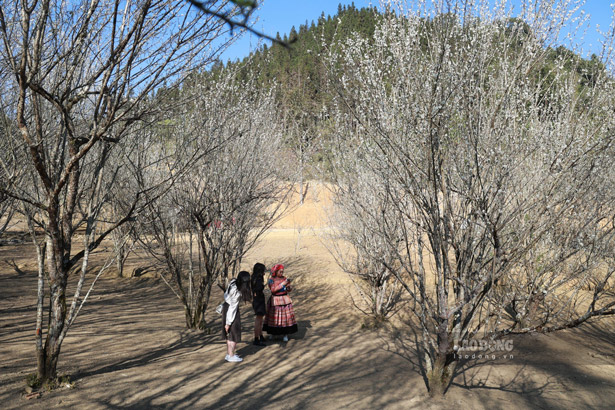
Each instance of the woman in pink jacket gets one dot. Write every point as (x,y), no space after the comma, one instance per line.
(280,319)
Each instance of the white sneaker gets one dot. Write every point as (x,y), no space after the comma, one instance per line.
(285,339)
(233,358)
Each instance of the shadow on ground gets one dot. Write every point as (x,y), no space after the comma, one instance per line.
(129,349)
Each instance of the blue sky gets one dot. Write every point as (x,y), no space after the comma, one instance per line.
(280,15)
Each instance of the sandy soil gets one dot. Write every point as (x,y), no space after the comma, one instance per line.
(129,347)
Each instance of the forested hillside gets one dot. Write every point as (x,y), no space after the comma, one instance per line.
(304,88)
(305,83)
(300,76)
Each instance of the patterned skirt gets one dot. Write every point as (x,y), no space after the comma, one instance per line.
(280,320)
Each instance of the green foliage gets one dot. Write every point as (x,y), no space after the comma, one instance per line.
(245,3)
(35,383)
(299,73)
(303,89)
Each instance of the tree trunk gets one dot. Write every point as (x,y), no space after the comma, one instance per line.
(189,318)
(56,324)
(196,319)
(47,358)
(120,260)
(40,253)
(440,375)
(205,301)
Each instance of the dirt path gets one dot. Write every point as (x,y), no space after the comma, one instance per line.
(129,349)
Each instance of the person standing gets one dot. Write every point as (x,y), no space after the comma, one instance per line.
(280,319)
(258,302)
(238,289)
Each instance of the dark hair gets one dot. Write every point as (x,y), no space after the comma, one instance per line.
(243,285)
(258,271)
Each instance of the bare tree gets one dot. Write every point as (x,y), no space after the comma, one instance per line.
(299,139)
(123,243)
(81,72)
(11,172)
(132,157)
(8,174)
(494,151)
(226,198)
(360,209)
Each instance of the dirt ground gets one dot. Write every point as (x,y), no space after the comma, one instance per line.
(129,348)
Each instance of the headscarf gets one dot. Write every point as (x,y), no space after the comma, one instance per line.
(276,269)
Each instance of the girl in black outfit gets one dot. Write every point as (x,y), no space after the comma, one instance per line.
(258,302)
